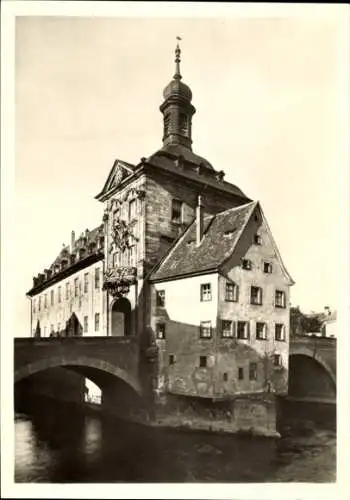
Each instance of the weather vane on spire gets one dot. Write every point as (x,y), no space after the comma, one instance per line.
(177,75)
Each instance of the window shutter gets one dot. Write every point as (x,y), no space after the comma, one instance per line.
(248,329)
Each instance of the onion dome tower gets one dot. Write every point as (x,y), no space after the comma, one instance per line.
(177,110)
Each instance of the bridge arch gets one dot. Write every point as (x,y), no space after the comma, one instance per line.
(90,367)
(301,350)
(310,377)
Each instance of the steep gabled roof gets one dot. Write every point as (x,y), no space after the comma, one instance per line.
(220,236)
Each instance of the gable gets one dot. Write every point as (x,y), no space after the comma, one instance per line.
(257,244)
(120,171)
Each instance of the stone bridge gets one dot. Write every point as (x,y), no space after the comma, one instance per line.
(312,368)
(112,363)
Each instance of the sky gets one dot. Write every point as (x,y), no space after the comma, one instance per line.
(266,90)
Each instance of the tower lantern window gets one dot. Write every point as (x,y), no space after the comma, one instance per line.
(183,124)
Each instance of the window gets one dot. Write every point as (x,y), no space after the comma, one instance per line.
(240,373)
(160,298)
(160,330)
(279,332)
(86,282)
(280,298)
(256,295)
(205,329)
(277,361)
(183,124)
(76,287)
(59,294)
(116,259)
(247,264)
(67,290)
(39,304)
(97,322)
(267,268)
(231,292)
(225,377)
(171,359)
(176,211)
(206,292)
(58,327)
(45,331)
(132,209)
(132,256)
(261,331)
(51,329)
(86,323)
(257,239)
(242,329)
(253,371)
(226,328)
(45,300)
(202,361)
(52,298)
(166,124)
(97,277)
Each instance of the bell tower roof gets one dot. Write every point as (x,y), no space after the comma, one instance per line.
(177,108)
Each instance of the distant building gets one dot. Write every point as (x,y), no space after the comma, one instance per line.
(182,254)
(314,323)
(329,326)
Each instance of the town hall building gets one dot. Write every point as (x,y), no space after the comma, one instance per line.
(185,261)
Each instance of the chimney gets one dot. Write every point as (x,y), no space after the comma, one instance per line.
(72,242)
(327,310)
(199,221)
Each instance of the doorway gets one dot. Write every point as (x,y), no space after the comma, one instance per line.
(121,318)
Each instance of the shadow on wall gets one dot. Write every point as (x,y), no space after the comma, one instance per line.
(188,364)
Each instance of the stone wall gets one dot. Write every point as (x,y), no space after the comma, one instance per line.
(161,189)
(252,414)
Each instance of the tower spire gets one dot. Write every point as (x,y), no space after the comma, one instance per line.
(177,75)
(177,109)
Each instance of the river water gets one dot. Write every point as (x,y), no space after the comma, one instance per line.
(59,445)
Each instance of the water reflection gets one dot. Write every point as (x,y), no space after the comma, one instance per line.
(61,445)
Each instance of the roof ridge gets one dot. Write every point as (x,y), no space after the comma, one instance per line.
(239,207)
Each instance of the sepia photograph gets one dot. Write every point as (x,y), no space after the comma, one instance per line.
(176,286)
